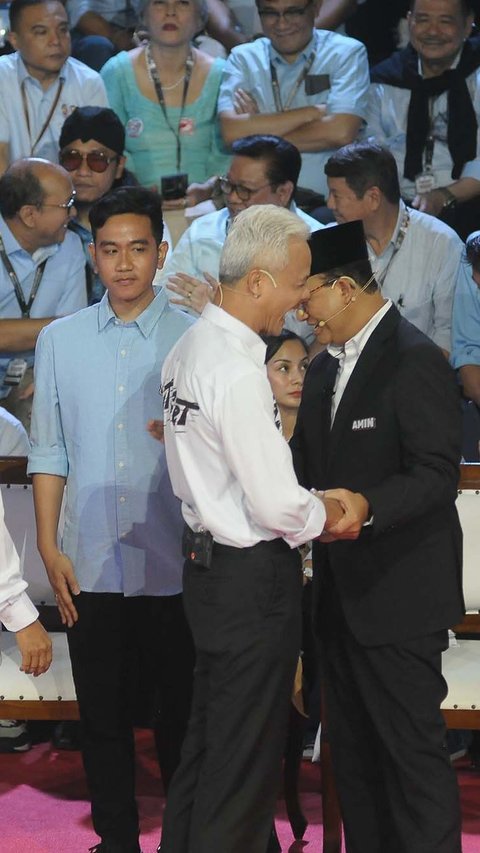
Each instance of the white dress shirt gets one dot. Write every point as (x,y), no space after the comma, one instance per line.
(16,609)
(349,354)
(228,463)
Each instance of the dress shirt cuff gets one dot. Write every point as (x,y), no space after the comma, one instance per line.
(18,612)
(314,525)
(45,461)
(471,169)
(465,355)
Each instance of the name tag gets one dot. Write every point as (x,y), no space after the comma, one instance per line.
(364,423)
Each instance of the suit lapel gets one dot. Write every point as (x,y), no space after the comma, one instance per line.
(362,373)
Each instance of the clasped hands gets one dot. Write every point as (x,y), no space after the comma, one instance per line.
(346,511)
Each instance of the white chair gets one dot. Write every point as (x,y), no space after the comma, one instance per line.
(461,662)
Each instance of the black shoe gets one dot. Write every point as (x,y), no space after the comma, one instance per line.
(67,736)
(14,736)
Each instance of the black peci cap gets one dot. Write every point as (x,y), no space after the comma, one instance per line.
(99,123)
(337,246)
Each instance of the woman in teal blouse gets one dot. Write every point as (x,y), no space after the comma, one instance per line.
(165,93)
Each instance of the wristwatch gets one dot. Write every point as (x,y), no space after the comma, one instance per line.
(450,198)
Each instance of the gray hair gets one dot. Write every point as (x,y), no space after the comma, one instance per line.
(259,236)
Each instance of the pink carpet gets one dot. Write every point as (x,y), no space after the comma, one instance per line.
(44,808)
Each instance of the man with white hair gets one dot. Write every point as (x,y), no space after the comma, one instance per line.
(245,515)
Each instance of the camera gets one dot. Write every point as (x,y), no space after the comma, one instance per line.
(174,186)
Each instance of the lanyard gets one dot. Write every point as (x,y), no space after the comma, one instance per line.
(380,279)
(153,74)
(48,118)
(279,106)
(24,306)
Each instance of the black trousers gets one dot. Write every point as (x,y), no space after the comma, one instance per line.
(397,789)
(245,616)
(117,645)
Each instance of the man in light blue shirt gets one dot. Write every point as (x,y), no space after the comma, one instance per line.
(40,84)
(117,578)
(42,269)
(309,86)
(466,322)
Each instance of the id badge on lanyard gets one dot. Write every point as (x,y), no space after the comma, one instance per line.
(425,182)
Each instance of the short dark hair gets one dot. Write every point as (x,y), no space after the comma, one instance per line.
(17,7)
(365,165)
(465,5)
(137,200)
(19,185)
(274,342)
(282,159)
(360,271)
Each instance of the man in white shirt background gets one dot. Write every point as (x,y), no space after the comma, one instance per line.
(40,84)
(417,259)
(264,170)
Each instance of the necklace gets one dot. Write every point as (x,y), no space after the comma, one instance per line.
(150,61)
(174,85)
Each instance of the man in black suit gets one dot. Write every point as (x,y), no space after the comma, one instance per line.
(380,418)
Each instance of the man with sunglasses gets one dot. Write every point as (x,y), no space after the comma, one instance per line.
(92,142)
(42,270)
(307,85)
(264,170)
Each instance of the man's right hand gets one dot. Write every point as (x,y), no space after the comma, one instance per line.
(334,512)
(61,575)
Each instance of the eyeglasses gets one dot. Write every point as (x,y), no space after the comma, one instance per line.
(97,161)
(292,14)
(244,193)
(65,205)
(330,283)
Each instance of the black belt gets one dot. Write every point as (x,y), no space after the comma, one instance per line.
(274,546)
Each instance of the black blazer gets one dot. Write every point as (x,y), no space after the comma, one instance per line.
(396,438)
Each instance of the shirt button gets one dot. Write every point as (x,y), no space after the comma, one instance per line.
(121,464)
(121,388)
(120,426)
(122,499)
(123,352)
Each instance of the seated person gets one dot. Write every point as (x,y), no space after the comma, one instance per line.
(165,94)
(466,323)
(424,105)
(307,85)
(417,259)
(264,170)
(91,143)
(43,271)
(40,84)
(100,28)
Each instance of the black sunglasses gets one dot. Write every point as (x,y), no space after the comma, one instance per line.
(97,161)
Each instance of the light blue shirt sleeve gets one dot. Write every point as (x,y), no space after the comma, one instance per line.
(466,322)
(48,454)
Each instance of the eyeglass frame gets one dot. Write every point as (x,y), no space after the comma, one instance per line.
(66,205)
(104,158)
(331,281)
(234,188)
(291,13)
